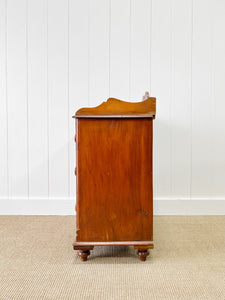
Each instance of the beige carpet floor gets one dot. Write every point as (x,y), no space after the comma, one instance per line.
(37,261)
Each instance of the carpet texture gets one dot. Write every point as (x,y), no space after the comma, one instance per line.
(37,261)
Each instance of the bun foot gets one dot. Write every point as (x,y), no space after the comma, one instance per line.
(142,254)
(83,254)
(142,251)
(83,251)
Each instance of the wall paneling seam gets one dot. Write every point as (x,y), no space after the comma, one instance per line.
(27,79)
(129,95)
(172,83)
(211,94)
(109,57)
(191,95)
(6,95)
(68,92)
(88,75)
(47,86)
(150,51)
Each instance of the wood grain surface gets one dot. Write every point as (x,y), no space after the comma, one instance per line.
(118,108)
(114,179)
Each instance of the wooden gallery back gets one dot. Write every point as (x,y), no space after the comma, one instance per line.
(114,203)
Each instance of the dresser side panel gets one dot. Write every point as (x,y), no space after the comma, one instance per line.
(114,180)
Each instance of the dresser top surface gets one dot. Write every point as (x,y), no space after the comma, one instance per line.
(115,108)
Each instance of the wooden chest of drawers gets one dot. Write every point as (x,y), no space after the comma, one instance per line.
(114,176)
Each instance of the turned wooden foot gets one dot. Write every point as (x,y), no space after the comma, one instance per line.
(83,251)
(142,251)
(83,254)
(142,254)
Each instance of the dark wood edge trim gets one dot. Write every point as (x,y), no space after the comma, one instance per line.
(84,248)
(120,243)
(114,116)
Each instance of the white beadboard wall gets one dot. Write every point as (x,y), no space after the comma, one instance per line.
(59,55)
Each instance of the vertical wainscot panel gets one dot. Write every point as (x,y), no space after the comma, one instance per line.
(78,73)
(37,98)
(58,98)
(161,71)
(140,49)
(99,51)
(3,104)
(202,103)
(181,98)
(218,97)
(17,97)
(120,49)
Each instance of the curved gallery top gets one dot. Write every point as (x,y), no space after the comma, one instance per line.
(115,108)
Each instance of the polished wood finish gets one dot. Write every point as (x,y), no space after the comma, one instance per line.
(113,179)
(142,251)
(114,176)
(142,254)
(83,252)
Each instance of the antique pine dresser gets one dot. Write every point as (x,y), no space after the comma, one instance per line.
(114,203)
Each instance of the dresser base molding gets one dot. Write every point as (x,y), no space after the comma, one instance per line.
(116,243)
(141,246)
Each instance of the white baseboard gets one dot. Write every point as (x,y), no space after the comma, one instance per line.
(37,206)
(189,207)
(65,206)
